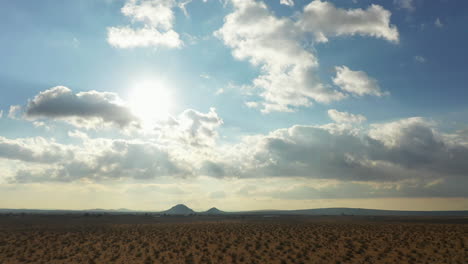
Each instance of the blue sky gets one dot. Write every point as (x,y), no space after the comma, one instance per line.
(293,102)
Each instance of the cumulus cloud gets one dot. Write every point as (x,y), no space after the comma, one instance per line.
(288,76)
(287,2)
(415,143)
(136,159)
(314,152)
(344,117)
(93,109)
(398,158)
(192,128)
(157,17)
(388,152)
(84,109)
(391,133)
(35,149)
(356,82)
(108,160)
(189,138)
(323,19)
(180,149)
(409,152)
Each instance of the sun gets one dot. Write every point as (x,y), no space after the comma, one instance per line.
(150,101)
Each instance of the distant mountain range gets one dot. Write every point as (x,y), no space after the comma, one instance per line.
(182,209)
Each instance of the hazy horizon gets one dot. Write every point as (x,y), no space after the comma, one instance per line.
(201,210)
(234,104)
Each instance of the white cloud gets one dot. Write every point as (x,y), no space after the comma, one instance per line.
(420,59)
(287,2)
(438,23)
(1,113)
(95,110)
(344,117)
(126,37)
(192,128)
(356,82)
(158,19)
(156,13)
(41,124)
(205,76)
(108,160)
(392,133)
(411,155)
(78,134)
(323,19)
(405,149)
(415,143)
(14,111)
(404,4)
(90,109)
(182,6)
(408,155)
(220,91)
(178,148)
(288,76)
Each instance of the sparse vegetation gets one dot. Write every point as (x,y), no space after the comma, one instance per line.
(138,239)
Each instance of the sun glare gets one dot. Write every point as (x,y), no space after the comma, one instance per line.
(150,100)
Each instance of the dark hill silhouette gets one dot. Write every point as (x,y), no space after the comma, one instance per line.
(180,209)
(213,211)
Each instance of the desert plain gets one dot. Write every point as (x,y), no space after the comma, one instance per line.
(231,239)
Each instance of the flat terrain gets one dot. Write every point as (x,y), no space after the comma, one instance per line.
(231,239)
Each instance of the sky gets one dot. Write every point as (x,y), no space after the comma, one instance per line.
(238,104)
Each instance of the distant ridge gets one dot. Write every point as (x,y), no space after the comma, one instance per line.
(180,209)
(356,211)
(109,210)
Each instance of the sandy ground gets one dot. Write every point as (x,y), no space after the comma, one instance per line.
(248,239)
